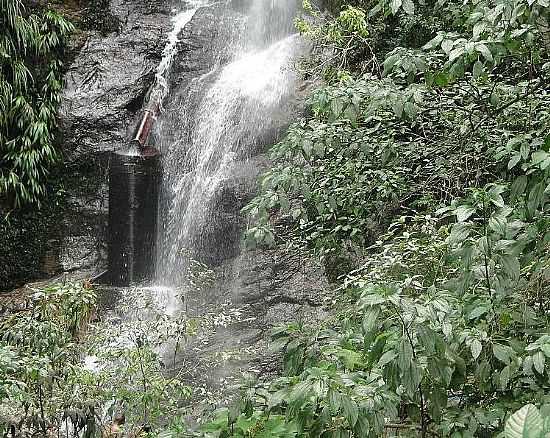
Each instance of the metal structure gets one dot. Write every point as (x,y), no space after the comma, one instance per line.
(134,180)
(133,207)
(146,125)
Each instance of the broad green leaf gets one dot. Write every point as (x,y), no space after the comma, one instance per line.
(442,79)
(456,53)
(546,349)
(386,358)
(408,6)
(447,329)
(405,355)
(518,187)
(307,147)
(350,358)
(447,45)
(528,365)
(362,427)
(350,113)
(477,70)
(334,400)
(395,5)
(538,157)
(351,411)
(369,319)
(459,233)
(539,362)
(511,266)
(525,423)
(412,378)
(389,62)
(319,149)
(495,195)
(434,42)
(535,197)
(475,348)
(502,353)
(477,312)
(513,161)
(498,225)
(505,377)
(336,106)
(464,212)
(484,50)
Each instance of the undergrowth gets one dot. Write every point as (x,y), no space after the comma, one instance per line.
(425,166)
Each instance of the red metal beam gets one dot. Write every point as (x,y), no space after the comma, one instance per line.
(146,124)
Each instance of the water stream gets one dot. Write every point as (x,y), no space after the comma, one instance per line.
(213,126)
(234,112)
(216,128)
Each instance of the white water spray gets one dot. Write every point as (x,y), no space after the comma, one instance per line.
(160,89)
(236,109)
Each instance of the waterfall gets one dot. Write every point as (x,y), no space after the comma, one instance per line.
(226,112)
(216,121)
(160,88)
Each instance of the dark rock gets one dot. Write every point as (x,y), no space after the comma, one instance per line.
(255,290)
(104,90)
(106,84)
(253,293)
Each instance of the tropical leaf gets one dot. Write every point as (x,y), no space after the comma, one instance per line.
(525,423)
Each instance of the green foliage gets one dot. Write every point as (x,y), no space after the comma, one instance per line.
(431,173)
(528,422)
(250,425)
(134,362)
(31,47)
(424,132)
(61,371)
(339,43)
(37,357)
(440,331)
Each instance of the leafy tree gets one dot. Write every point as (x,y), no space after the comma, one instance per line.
(63,372)
(426,165)
(31,49)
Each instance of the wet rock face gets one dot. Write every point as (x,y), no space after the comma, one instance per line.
(253,293)
(203,44)
(104,90)
(106,84)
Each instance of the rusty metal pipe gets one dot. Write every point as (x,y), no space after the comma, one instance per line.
(147,121)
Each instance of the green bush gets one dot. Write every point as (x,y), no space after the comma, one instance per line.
(31,53)
(432,174)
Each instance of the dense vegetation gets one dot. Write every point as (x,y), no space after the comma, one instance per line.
(421,179)
(52,383)
(31,53)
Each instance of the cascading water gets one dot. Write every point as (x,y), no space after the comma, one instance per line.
(215,122)
(226,113)
(160,89)
(234,111)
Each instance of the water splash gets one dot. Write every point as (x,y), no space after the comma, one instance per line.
(160,89)
(238,107)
